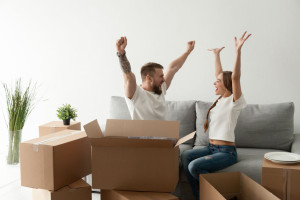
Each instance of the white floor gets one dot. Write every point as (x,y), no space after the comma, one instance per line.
(10,186)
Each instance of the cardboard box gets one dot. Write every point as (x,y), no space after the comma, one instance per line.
(123,163)
(128,195)
(56,126)
(56,160)
(281,180)
(78,190)
(222,186)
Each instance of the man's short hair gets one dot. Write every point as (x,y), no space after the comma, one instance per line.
(149,69)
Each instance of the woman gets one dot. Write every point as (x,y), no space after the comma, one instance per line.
(221,151)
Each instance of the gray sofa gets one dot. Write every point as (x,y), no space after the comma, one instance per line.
(260,129)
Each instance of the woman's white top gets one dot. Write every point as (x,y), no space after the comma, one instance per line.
(223,118)
(145,105)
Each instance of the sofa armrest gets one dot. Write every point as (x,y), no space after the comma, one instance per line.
(296,144)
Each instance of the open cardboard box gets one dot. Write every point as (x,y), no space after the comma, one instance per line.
(56,126)
(282,180)
(128,195)
(56,160)
(222,186)
(78,190)
(123,163)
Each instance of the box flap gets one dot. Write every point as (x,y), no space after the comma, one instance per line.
(158,128)
(185,138)
(118,141)
(207,190)
(78,184)
(218,179)
(252,190)
(93,129)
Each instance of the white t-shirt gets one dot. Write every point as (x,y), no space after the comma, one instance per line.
(223,118)
(146,105)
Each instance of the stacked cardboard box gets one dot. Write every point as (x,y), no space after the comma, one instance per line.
(56,126)
(131,157)
(54,161)
(282,180)
(232,185)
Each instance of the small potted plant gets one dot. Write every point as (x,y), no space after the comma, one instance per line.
(66,113)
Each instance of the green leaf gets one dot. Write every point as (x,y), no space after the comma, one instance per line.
(19,104)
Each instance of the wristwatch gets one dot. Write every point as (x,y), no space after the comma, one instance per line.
(119,54)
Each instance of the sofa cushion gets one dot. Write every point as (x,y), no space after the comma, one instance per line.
(249,162)
(259,126)
(201,111)
(185,112)
(118,108)
(266,126)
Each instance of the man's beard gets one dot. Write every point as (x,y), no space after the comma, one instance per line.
(157,90)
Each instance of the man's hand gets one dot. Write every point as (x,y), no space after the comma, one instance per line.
(239,43)
(190,46)
(121,45)
(216,50)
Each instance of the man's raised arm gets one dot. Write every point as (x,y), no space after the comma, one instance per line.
(129,77)
(175,65)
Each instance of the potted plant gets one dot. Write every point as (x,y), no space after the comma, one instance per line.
(19,106)
(66,113)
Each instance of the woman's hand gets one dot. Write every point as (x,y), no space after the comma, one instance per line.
(239,43)
(216,50)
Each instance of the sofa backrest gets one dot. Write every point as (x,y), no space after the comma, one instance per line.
(258,126)
(183,111)
(118,108)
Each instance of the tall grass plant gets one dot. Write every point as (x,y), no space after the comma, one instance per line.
(19,106)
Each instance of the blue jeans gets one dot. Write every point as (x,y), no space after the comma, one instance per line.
(205,160)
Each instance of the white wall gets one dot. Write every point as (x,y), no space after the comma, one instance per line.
(68,47)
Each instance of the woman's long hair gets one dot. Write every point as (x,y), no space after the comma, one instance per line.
(227,81)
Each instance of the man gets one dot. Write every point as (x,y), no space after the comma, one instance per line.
(148,101)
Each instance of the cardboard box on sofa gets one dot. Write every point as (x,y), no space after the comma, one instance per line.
(222,186)
(56,160)
(56,126)
(78,190)
(281,180)
(123,163)
(129,195)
